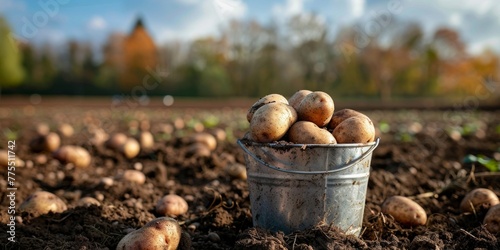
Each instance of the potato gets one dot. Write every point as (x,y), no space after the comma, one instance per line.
(130,148)
(205,138)
(171,205)
(77,155)
(296,98)
(4,158)
(492,219)
(66,130)
(160,233)
(341,115)
(116,141)
(219,134)
(357,129)
(237,171)
(132,176)
(199,150)
(305,132)
(404,211)
(87,202)
(42,202)
(48,143)
(316,107)
(479,198)
(272,121)
(271,98)
(146,140)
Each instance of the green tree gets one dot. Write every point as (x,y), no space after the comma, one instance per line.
(11,71)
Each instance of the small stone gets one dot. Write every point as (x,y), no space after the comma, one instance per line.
(213,237)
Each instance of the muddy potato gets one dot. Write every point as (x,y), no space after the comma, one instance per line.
(42,202)
(357,129)
(116,141)
(130,148)
(479,198)
(45,143)
(160,233)
(492,219)
(341,115)
(297,97)
(405,211)
(305,132)
(316,107)
(271,98)
(271,122)
(205,138)
(4,160)
(171,205)
(77,155)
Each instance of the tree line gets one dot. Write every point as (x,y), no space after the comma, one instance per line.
(253,59)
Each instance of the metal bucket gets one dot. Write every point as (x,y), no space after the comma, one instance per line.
(296,186)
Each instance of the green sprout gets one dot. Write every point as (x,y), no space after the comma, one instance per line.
(10,134)
(491,164)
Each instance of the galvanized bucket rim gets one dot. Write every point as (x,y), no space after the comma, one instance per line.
(347,165)
(294,145)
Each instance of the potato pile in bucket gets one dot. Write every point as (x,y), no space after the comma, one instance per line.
(307,117)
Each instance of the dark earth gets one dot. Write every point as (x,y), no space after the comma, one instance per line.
(420,156)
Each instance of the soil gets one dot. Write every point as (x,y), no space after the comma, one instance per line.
(418,157)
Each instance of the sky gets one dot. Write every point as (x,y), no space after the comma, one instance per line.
(57,21)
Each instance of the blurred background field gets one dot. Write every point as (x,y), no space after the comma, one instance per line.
(368,51)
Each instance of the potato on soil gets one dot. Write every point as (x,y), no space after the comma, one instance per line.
(237,171)
(271,98)
(357,129)
(199,150)
(479,198)
(66,130)
(146,140)
(42,202)
(405,211)
(4,160)
(76,155)
(45,143)
(205,138)
(305,132)
(492,219)
(342,115)
(130,175)
(160,233)
(130,148)
(316,107)
(87,202)
(171,205)
(297,97)
(271,122)
(116,141)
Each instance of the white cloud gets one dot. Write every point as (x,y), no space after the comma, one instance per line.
(97,23)
(290,8)
(455,19)
(204,18)
(357,8)
(479,46)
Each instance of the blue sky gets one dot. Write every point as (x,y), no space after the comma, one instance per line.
(56,21)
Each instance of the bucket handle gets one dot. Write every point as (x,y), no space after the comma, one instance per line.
(346,166)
